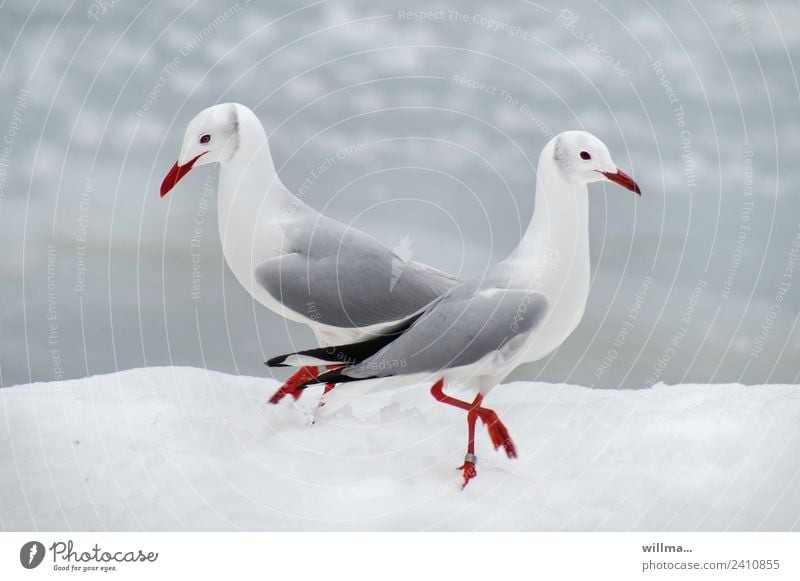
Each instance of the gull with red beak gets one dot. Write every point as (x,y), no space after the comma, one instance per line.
(302,265)
(518,311)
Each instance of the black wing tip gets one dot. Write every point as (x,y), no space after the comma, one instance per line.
(351,353)
(334,376)
(277,361)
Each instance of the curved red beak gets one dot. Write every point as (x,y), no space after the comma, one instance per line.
(624,180)
(176,173)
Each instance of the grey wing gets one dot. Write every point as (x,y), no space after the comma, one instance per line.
(458,331)
(342,277)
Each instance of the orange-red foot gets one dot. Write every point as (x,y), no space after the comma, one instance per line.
(292,384)
(468,469)
(498,433)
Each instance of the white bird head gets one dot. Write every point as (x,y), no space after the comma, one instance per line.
(581,157)
(212,136)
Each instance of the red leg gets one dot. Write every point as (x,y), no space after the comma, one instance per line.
(472,417)
(291,385)
(468,467)
(497,431)
(436,392)
(329,386)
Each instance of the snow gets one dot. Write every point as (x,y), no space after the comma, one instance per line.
(177,448)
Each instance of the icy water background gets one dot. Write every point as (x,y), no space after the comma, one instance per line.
(428,128)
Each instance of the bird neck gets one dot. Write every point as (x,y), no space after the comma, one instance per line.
(252,201)
(249,183)
(555,247)
(251,196)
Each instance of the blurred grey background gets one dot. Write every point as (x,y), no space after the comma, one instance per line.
(438,119)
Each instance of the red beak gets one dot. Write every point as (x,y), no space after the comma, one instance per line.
(176,173)
(624,180)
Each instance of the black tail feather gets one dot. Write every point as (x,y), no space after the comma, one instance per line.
(333,376)
(348,354)
(278,361)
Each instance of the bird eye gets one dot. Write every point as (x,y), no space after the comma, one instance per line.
(585,155)
(205,138)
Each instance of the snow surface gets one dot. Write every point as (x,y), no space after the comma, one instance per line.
(176,448)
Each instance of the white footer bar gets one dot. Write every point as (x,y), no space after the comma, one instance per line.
(389,556)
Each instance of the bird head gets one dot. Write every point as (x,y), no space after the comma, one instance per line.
(212,136)
(581,157)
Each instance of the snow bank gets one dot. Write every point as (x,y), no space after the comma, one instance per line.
(180,448)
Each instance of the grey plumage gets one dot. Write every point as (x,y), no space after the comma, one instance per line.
(477,318)
(340,276)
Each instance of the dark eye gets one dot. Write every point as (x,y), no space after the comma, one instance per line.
(205,138)
(585,155)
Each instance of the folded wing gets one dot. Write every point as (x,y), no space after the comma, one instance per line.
(342,277)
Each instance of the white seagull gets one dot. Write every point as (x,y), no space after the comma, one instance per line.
(518,311)
(302,265)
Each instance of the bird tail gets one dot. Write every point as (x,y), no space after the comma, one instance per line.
(332,376)
(344,355)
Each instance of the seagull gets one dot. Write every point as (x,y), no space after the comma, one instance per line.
(517,311)
(302,265)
